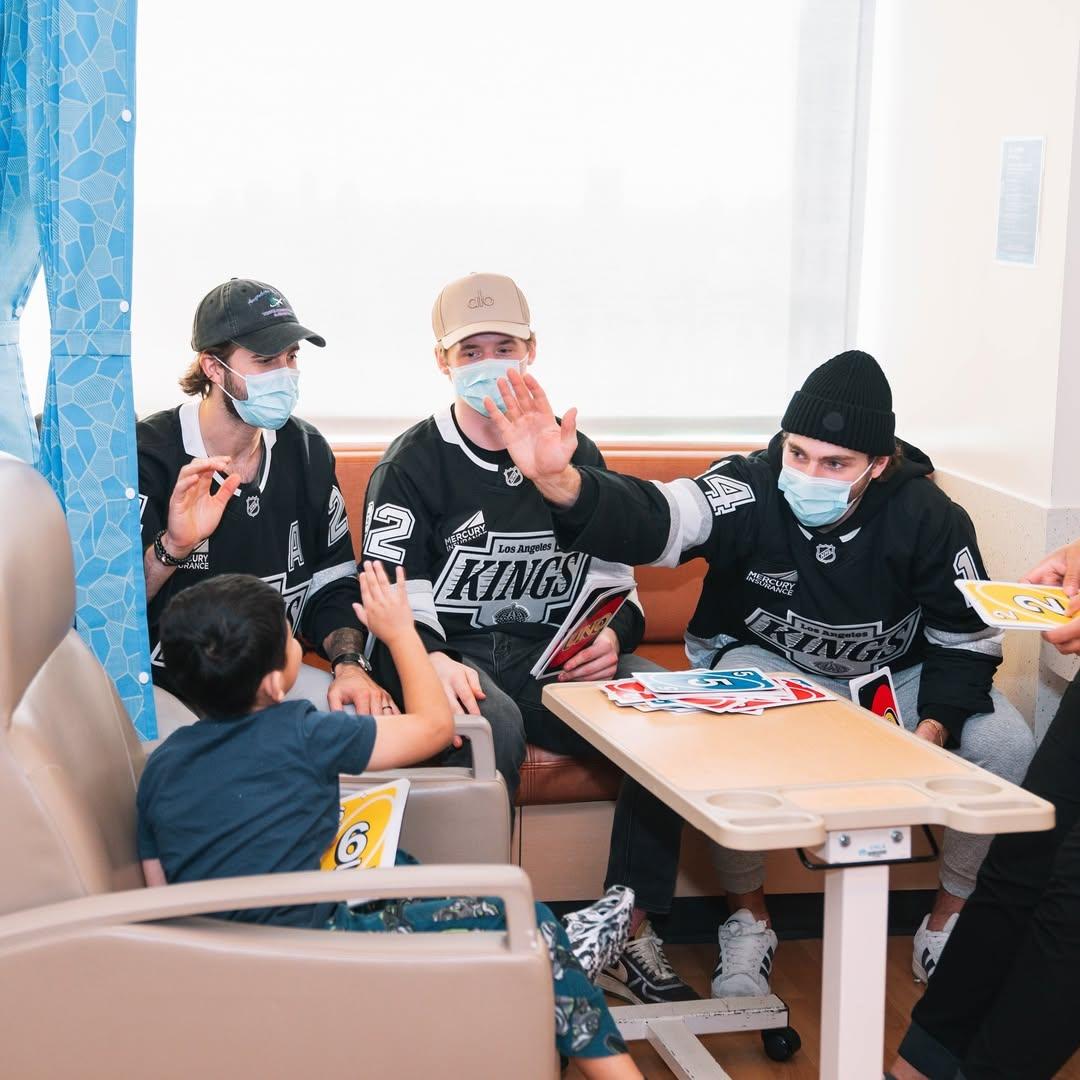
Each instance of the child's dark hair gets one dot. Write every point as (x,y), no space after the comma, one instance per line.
(219,639)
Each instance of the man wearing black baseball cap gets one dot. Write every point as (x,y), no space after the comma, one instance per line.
(232,482)
(831,551)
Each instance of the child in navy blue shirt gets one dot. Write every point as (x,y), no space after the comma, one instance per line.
(252,787)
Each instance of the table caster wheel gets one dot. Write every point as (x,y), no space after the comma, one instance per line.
(781,1043)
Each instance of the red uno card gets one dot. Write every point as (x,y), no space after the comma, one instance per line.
(876,693)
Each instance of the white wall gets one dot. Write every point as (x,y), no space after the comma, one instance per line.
(973,348)
(983,357)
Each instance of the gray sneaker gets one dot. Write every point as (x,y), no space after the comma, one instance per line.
(642,974)
(747,947)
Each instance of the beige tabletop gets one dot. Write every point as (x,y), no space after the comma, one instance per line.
(788,776)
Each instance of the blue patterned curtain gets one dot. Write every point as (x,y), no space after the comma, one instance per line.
(18,236)
(74,62)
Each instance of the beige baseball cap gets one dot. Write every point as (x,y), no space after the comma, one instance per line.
(479,304)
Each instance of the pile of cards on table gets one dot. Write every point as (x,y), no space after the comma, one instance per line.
(741,690)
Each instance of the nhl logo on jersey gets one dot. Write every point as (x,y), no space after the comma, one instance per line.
(826,553)
(512,476)
(253,506)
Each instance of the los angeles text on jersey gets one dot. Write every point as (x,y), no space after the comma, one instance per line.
(843,651)
(513,578)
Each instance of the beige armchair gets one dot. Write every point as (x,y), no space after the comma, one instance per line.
(102,977)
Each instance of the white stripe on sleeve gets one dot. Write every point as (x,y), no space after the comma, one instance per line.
(691,519)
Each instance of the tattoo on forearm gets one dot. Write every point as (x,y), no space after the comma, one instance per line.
(347,639)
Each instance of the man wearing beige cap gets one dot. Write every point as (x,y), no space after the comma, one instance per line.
(488,583)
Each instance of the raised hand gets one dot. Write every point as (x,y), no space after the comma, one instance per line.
(385,608)
(540,447)
(193,512)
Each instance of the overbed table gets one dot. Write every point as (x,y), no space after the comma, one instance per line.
(826,776)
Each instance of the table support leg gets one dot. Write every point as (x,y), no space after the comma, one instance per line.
(853,975)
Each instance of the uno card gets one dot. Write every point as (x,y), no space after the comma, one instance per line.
(706,681)
(1015,606)
(805,691)
(875,692)
(369,824)
(627,692)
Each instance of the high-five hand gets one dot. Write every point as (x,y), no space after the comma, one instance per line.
(540,446)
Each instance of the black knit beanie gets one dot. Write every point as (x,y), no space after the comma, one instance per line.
(846,401)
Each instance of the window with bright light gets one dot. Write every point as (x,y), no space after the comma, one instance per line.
(670,185)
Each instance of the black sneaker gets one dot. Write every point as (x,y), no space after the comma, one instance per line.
(642,974)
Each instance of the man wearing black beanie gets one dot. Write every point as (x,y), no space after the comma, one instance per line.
(832,551)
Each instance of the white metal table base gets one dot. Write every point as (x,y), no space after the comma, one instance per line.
(854,946)
(673,1029)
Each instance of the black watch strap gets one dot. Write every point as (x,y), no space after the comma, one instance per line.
(356,658)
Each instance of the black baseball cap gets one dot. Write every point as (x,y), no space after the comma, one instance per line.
(251,314)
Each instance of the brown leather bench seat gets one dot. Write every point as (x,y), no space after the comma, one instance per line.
(668,597)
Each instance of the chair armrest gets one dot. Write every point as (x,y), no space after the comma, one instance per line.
(509,883)
(474,728)
(478,731)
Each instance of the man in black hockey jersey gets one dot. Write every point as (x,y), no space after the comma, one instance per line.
(831,551)
(487,581)
(230,482)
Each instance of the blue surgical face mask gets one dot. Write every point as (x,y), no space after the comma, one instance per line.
(476,381)
(817,500)
(271,397)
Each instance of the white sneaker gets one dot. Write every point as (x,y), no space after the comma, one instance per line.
(747,947)
(928,947)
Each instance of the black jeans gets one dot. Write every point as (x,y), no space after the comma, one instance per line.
(1004,1001)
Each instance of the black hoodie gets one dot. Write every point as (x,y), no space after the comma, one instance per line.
(877,590)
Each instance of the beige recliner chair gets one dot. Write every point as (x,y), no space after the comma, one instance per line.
(102,977)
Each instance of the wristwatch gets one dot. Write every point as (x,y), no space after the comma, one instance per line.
(359,659)
(163,556)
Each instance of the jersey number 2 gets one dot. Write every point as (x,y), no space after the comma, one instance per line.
(396,523)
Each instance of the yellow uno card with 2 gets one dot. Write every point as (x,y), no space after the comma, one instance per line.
(1015,606)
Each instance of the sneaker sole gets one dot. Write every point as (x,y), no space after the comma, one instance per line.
(618,989)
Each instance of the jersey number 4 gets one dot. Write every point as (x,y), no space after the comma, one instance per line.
(386,524)
(725,493)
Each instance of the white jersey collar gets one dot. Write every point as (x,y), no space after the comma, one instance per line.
(843,537)
(191,433)
(444,421)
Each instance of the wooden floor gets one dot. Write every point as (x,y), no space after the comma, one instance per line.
(797,979)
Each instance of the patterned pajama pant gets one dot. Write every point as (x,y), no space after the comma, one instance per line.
(583,1025)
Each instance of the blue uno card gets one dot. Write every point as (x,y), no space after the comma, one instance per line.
(706,681)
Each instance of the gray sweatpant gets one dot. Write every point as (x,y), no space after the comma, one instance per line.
(1000,742)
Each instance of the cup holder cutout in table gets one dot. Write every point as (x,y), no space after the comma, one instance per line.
(954,785)
(745,800)
(771,821)
(1004,804)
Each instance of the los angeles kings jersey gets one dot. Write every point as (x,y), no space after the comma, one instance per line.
(476,540)
(288,528)
(875,591)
